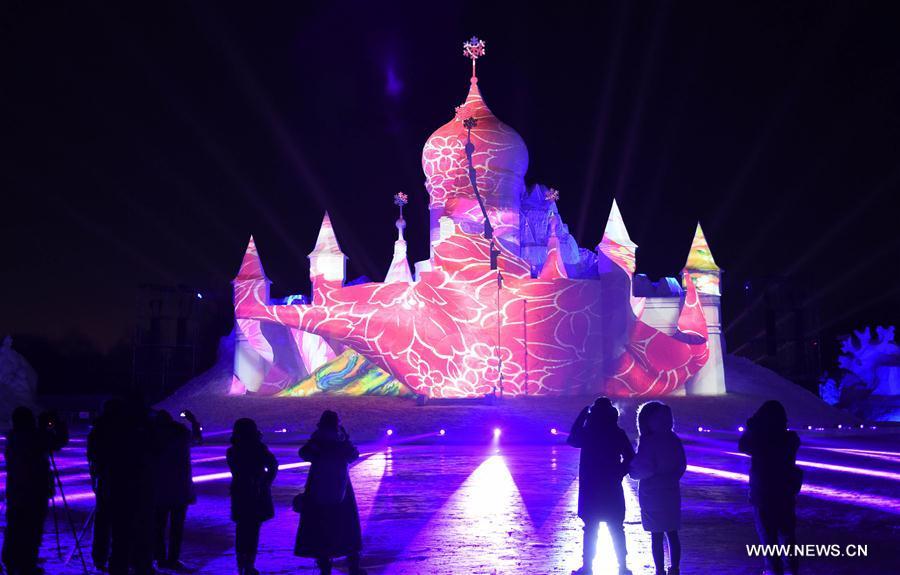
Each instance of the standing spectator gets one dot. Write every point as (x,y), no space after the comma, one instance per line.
(605,455)
(253,469)
(29,484)
(329,517)
(98,466)
(126,449)
(775,479)
(659,464)
(174,489)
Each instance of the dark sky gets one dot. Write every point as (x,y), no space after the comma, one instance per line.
(144,142)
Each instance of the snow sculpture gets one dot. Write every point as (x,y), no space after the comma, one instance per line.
(553,318)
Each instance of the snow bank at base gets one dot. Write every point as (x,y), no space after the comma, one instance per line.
(368,417)
(18,381)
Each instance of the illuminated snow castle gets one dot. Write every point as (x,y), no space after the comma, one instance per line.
(512,308)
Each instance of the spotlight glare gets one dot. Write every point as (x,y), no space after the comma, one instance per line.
(741,429)
(442,432)
(389,432)
(700,429)
(840,426)
(553,431)
(496,432)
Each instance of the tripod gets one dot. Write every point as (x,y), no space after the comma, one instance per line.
(65,503)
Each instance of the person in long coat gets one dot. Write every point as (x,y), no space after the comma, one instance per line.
(126,452)
(606,453)
(253,469)
(659,464)
(329,518)
(174,489)
(29,484)
(775,479)
(98,465)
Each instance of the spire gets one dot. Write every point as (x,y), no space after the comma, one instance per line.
(554,267)
(700,257)
(616,245)
(615,228)
(327,259)
(702,267)
(251,266)
(399,270)
(326,242)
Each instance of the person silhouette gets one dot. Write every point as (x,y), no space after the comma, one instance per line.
(253,469)
(174,489)
(98,466)
(775,479)
(126,449)
(659,464)
(29,484)
(606,453)
(329,517)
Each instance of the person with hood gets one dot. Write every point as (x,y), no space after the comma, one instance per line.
(606,453)
(29,484)
(775,479)
(658,465)
(174,489)
(253,469)
(329,517)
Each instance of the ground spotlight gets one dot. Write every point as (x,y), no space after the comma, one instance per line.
(389,432)
(553,431)
(700,429)
(741,429)
(840,426)
(442,432)
(496,432)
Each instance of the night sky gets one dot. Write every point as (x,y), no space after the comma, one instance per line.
(144,142)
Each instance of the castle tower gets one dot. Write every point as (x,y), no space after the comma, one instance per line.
(399,270)
(327,263)
(252,353)
(706,275)
(500,160)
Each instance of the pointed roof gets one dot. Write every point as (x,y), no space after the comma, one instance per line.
(554,267)
(615,228)
(326,242)
(251,265)
(700,257)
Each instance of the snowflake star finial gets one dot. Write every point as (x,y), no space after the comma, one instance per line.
(470,122)
(473,49)
(400,199)
(552,195)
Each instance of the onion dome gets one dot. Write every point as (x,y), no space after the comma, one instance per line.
(500,158)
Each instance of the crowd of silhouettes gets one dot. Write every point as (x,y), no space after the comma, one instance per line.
(140,467)
(658,465)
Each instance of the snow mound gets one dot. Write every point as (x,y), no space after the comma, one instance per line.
(18,381)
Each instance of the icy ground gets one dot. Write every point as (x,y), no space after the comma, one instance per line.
(445,508)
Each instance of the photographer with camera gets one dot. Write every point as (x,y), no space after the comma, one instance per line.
(29,485)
